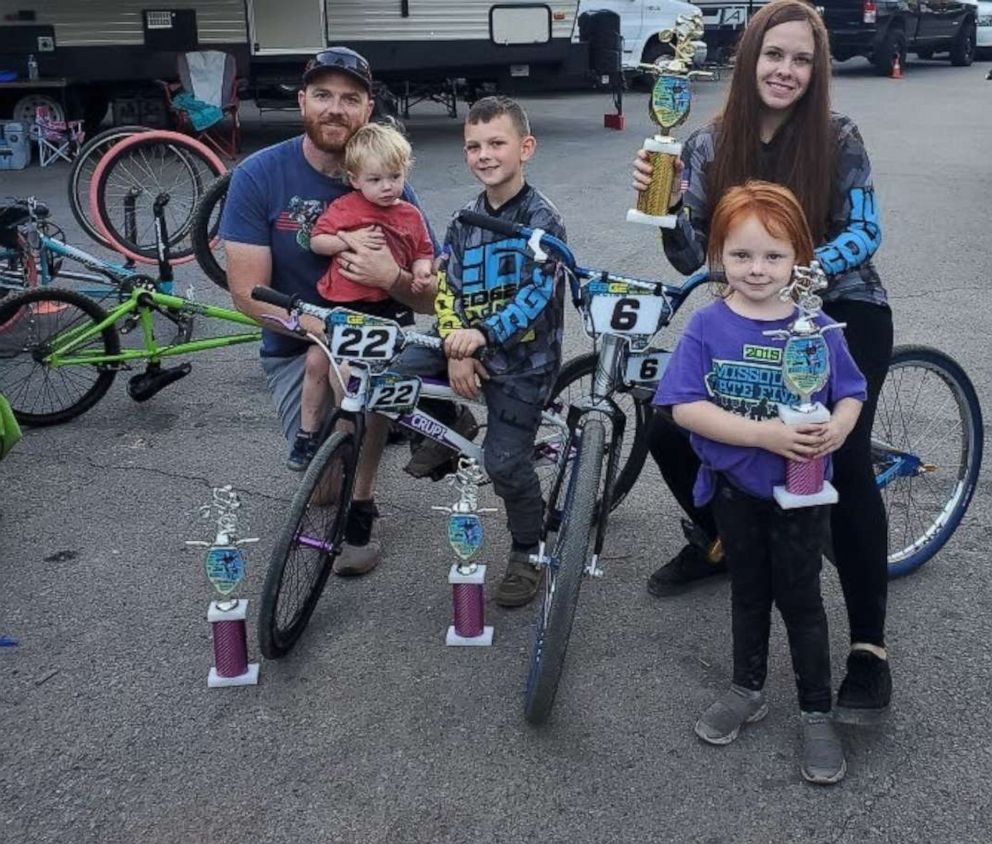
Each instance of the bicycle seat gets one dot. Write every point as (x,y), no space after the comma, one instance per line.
(13,214)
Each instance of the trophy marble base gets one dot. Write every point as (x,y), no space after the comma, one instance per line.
(483,640)
(249,678)
(665,221)
(790,501)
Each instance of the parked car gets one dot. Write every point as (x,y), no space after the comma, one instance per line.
(640,23)
(881,30)
(983,33)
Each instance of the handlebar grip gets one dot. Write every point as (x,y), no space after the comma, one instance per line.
(274,297)
(482,221)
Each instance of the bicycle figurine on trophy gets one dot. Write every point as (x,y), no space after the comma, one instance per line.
(466,535)
(225,566)
(805,371)
(668,107)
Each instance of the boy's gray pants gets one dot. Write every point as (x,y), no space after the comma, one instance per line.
(513,406)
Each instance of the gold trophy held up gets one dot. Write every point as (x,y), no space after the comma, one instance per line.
(668,107)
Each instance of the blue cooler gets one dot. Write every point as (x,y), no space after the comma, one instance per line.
(15,148)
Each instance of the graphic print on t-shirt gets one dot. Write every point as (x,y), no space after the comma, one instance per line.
(491,274)
(300,217)
(751,386)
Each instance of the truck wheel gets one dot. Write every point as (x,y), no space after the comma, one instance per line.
(892,45)
(963,48)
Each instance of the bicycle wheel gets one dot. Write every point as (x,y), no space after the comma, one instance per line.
(207,245)
(574,382)
(563,577)
(49,321)
(927,442)
(81,175)
(306,548)
(138,171)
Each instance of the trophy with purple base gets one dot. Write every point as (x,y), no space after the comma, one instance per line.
(805,371)
(225,567)
(467,578)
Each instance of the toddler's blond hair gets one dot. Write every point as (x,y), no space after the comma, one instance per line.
(378,143)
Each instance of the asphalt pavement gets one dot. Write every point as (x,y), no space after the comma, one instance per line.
(372,730)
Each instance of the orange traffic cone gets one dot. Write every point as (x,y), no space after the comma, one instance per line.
(896,68)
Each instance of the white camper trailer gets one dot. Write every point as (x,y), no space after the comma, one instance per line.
(103,47)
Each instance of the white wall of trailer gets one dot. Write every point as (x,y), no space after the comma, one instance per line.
(429,20)
(96,23)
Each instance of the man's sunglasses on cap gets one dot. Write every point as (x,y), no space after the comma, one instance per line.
(342,59)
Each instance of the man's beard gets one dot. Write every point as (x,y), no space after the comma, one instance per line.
(314,130)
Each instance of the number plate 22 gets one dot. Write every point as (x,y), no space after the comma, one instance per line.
(358,337)
(392,392)
(612,310)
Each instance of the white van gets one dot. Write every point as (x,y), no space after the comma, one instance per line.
(640,23)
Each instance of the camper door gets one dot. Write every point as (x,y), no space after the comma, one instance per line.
(279,27)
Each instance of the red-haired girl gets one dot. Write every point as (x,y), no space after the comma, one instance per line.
(724,384)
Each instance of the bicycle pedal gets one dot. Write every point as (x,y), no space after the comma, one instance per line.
(146,384)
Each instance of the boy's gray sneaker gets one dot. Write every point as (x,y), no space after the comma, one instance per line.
(520,583)
(723,720)
(823,754)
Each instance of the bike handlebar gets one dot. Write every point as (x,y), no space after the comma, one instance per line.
(274,297)
(295,303)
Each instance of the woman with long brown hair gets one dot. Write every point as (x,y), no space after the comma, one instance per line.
(777,126)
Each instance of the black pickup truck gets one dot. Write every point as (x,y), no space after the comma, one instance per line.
(880,30)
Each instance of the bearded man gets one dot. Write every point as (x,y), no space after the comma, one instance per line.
(274,199)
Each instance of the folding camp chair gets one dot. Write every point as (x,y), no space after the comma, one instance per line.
(55,138)
(204,102)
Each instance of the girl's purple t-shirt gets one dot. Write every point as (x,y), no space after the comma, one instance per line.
(726,359)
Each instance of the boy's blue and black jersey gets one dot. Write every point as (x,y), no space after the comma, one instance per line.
(490,282)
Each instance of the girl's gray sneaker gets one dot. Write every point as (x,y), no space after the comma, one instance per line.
(723,720)
(823,754)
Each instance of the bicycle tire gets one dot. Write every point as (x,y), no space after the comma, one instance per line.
(204,234)
(277,633)
(81,175)
(195,161)
(949,448)
(564,579)
(31,385)
(630,461)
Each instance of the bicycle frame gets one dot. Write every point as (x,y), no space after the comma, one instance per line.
(65,349)
(356,391)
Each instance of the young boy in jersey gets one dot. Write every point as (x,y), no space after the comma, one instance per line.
(377,160)
(492,294)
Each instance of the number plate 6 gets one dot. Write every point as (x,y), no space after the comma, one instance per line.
(613,311)
(392,392)
(646,367)
(359,338)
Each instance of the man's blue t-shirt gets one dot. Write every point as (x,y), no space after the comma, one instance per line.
(725,358)
(274,200)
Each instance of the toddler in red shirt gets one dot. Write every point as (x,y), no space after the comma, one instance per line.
(377,160)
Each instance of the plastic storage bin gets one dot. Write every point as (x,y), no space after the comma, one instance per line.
(15,148)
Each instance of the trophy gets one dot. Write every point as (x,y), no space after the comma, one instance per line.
(668,108)
(805,371)
(465,535)
(225,566)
